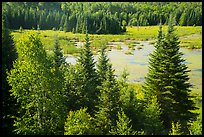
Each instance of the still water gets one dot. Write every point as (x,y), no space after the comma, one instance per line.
(137,64)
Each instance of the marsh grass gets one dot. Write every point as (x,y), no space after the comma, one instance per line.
(191,42)
(70,49)
(131,46)
(152,42)
(119,47)
(68,39)
(139,47)
(129,53)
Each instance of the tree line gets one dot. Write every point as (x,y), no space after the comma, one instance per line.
(45,95)
(102,17)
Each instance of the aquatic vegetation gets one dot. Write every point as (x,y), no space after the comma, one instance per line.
(139,47)
(119,47)
(129,53)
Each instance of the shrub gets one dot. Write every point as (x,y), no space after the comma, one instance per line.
(79,122)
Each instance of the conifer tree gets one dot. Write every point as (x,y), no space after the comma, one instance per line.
(130,105)
(75,81)
(123,126)
(9,55)
(90,87)
(152,123)
(168,80)
(37,89)
(58,55)
(102,64)
(109,104)
(65,26)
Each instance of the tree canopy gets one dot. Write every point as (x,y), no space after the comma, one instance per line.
(102,17)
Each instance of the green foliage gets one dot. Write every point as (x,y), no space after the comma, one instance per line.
(131,46)
(102,17)
(75,80)
(195,127)
(109,104)
(168,80)
(119,47)
(21,29)
(79,122)
(71,49)
(123,126)
(129,103)
(152,123)
(47,88)
(37,89)
(102,65)
(175,129)
(9,55)
(87,61)
(58,55)
(128,53)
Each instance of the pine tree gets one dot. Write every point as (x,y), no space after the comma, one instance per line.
(130,105)
(152,123)
(75,79)
(37,89)
(65,26)
(90,87)
(168,80)
(109,104)
(58,55)
(102,65)
(123,126)
(9,54)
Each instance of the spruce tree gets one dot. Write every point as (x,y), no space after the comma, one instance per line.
(90,87)
(129,103)
(123,126)
(102,65)
(109,104)
(168,80)
(65,26)
(9,55)
(58,55)
(75,81)
(152,123)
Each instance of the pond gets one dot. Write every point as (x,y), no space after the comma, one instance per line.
(137,63)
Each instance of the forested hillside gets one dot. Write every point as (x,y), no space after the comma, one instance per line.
(45,94)
(102,17)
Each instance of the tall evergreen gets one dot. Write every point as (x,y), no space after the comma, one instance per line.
(65,26)
(109,103)
(102,65)
(168,80)
(58,55)
(129,103)
(9,54)
(90,87)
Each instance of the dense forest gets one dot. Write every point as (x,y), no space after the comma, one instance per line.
(102,17)
(42,94)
